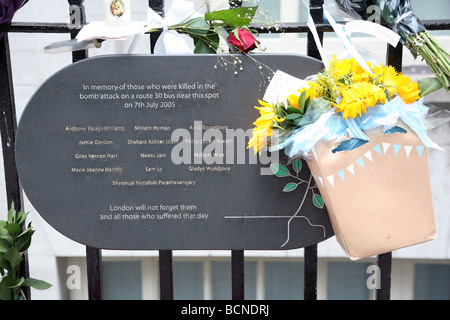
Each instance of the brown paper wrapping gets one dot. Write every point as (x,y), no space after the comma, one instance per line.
(378,196)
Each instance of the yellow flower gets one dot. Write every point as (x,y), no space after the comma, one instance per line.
(310,93)
(344,67)
(356,99)
(396,83)
(313,89)
(293,100)
(361,77)
(407,89)
(263,126)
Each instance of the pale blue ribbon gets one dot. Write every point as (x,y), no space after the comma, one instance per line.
(330,126)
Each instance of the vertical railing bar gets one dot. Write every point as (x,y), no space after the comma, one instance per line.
(310,273)
(394,56)
(237,256)
(158,7)
(8,127)
(384,261)
(237,275)
(81,20)
(165,274)
(93,255)
(165,256)
(94,272)
(310,252)
(316,10)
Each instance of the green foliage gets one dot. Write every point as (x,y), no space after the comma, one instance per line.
(15,239)
(233,18)
(428,85)
(207,30)
(291,114)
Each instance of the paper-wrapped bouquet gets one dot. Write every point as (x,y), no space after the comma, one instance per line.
(363,134)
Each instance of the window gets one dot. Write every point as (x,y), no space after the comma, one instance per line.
(347,280)
(122,280)
(432,282)
(221,280)
(188,280)
(283,280)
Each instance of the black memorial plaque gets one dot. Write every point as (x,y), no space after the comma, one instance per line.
(147,152)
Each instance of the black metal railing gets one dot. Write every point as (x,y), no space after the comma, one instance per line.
(8,126)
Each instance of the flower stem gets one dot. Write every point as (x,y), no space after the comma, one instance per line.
(436,57)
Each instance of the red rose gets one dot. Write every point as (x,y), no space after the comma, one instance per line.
(245,40)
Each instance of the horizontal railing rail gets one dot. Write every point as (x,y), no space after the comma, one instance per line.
(283,27)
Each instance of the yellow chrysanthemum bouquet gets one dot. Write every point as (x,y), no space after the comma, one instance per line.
(344,88)
(363,134)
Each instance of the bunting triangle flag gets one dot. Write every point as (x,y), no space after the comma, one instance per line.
(331,180)
(360,162)
(420,150)
(377,149)
(386,147)
(368,155)
(396,148)
(351,169)
(408,150)
(341,174)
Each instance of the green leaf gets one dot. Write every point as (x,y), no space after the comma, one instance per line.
(18,284)
(428,85)
(307,103)
(28,230)
(3,246)
(290,187)
(236,34)
(297,121)
(318,201)
(196,27)
(4,264)
(206,43)
(23,242)
(279,170)
(301,102)
(233,18)
(297,165)
(13,228)
(4,233)
(291,110)
(37,284)
(293,116)
(11,214)
(22,218)
(13,256)
(6,293)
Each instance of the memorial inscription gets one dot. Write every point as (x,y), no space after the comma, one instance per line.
(149,152)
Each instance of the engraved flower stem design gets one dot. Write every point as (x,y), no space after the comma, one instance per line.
(282,171)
